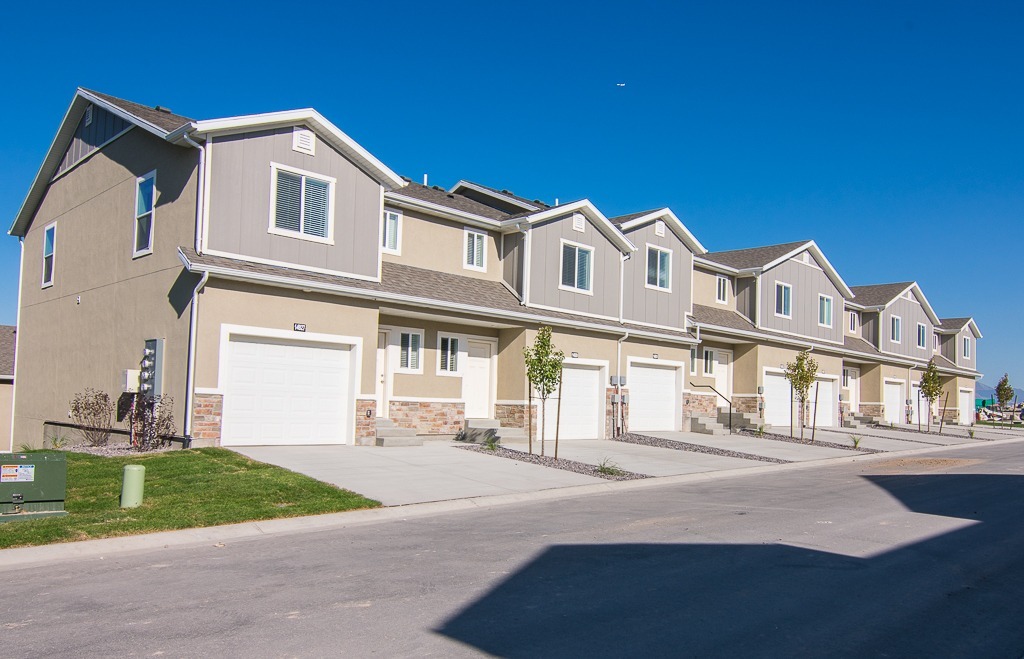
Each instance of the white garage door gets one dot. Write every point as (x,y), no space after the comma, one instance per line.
(654,402)
(825,413)
(778,402)
(894,402)
(279,392)
(582,405)
(966,408)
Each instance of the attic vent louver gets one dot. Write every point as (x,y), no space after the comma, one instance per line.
(304,140)
(88,115)
(579,223)
(659,228)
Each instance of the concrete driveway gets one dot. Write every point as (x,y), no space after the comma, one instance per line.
(436,471)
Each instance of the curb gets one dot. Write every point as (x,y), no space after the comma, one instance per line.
(21,557)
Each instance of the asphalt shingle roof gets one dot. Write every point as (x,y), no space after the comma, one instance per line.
(532,202)
(877,295)
(622,219)
(164,120)
(450,200)
(706,315)
(8,342)
(953,323)
(754,257)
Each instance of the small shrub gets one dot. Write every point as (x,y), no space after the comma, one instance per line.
(491,443)
(609,468)
(856,441)
(57,439)
(970,433)
(760,431)
(93,413)
(151,422)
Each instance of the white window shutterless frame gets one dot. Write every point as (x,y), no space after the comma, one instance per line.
(783,300)
(49,254)
(659,268)
(391,241)
(577,264)
(145,202)
(302,204)
(475,250)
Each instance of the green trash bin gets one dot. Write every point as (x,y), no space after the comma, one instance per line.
(32,485)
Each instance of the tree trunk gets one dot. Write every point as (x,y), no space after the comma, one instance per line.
(543,421)
(529,418)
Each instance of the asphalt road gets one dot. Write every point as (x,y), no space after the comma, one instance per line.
(916,556)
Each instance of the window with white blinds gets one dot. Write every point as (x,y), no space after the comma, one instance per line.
(659,267)
(302,205)
(392,242)
(448,354)
(409,351)
(577,264)
(475,243)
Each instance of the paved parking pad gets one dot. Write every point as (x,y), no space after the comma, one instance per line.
(436,471)
(649,460)
(758,446)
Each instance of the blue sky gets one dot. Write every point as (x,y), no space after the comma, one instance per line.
(889,132)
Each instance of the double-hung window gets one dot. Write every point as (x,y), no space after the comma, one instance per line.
(922,335)
(447,354)
(693,361)
(967,347)
(853,322)
(303,205)
(825,311)
(145,198)
(392,239)
(709,362)
(410,345)
(577,265)
(722,289)
(935,341)
(896,329)
(475,250)
(659,268)
(49,250)
(783,300)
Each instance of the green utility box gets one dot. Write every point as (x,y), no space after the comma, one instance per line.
(32,485)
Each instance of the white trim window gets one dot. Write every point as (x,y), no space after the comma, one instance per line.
(474,245)
(721,289)
(783,300)
(922,336)
(896,329)
(145,203)
(846,378)
(410,349)
(935,342)
(391,239)
(49,254)
(709,362)
(693,361)
(824,311)
(854,322)
(577,267)
(967,347)
(302,204)
(448,362)
(659,268)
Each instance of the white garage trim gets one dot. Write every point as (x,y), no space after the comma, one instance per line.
(679,369)
(968,418)
(832,406)
(899,416)
(601,366)
(771,414)
(354,344)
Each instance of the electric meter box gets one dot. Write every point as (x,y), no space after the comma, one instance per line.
(32,485)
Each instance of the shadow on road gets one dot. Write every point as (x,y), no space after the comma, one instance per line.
(957,594)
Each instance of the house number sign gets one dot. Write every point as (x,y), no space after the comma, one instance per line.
(299,327)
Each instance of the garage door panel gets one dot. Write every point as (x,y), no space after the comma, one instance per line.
(778,404)
(824,413)
(280,392)
(654,397)
(894,402)
(582,405)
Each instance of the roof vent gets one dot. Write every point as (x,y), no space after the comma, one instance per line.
(88,115)
(163,109)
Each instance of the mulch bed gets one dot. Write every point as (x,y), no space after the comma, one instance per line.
(775,437)
(549,461)
(646,440)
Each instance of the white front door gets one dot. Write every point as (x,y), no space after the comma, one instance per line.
(778,401)
(825,407)
(281,392)
(476,380)
(654,400)
(582,405)
(382,374)
(852,376)
(894,402)
(723,376)
(966,407)
(918,405)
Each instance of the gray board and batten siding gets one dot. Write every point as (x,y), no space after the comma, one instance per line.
(89,137)
(869,327)
(512,261)
(240,190)
(808,281)
(960,361)
(746,297)
(657,307)
(546,274)
(911,313)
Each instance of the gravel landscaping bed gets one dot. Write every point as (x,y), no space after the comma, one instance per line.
(882,426)
(548,461)
(116,450)
(796,440)
(645,440)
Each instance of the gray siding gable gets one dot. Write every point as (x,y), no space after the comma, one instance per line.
(808,282)
(240,201)
(642,304)
(88,138)
(910,312)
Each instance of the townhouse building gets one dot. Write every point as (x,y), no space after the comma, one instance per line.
(284,286)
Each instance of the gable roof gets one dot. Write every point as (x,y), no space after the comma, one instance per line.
(879,295)
(500,195)
(8,344)
(585,208)
(163,124)
(754,257)
(447,199)
(635,220)
(954,325)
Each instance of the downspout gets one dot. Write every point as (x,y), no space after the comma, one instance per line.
(622,285)
(617,418)
(526,262)
(17,344)
(201,194)
(190,382)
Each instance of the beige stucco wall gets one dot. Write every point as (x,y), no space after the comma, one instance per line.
(237,303)
(705,286)
(511,366)
(437,244)
(90,326)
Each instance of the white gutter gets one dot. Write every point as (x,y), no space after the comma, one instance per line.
(622,283)
(190,378)
(17,343)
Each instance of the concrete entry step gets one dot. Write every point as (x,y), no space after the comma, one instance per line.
(388,434)
(707,425)
(399,441)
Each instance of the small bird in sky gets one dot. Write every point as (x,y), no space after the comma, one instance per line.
(620,84)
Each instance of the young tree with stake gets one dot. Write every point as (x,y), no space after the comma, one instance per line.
(801,374)
(543,371)
(931,388)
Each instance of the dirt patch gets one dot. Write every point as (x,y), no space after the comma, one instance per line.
(921,464)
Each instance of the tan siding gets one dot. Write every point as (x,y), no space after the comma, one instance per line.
(240,186)
(66,345)
(437,244)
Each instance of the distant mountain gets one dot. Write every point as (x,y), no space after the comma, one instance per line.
(982,390)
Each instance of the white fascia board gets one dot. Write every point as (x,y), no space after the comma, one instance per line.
(974,328)
(301,284)
(673,221)
(932,316)
(398,199)
(587,209)
(830,270)
(127,116)
(469,185)
(714,266)
(315,120)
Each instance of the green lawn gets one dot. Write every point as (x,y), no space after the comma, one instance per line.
(184,489)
